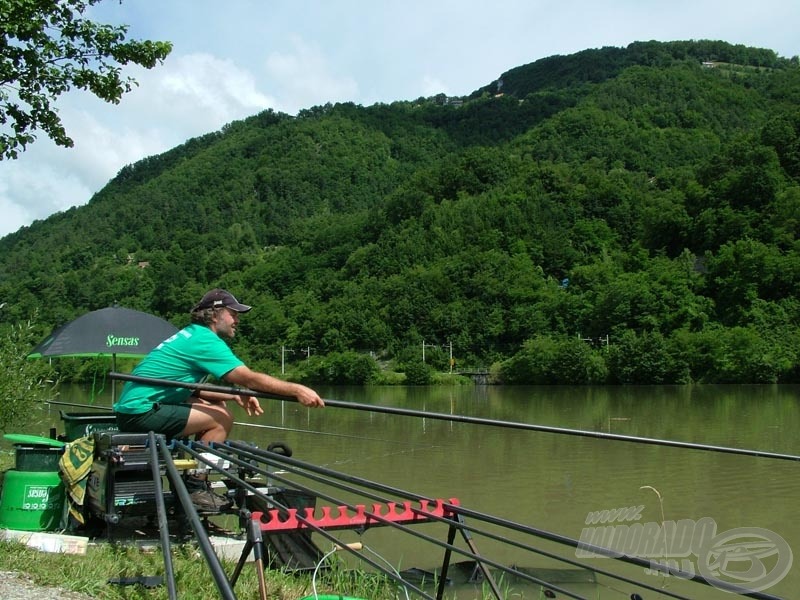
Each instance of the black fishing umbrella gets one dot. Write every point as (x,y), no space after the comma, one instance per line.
(113,331)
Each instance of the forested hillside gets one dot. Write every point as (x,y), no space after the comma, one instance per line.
(620,215)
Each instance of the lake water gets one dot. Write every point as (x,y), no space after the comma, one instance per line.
(553,481)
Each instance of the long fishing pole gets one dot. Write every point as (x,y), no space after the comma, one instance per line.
(243,424)
(161,512)
(236,453)
(76,404)
(341,481)
(459,418)
(191,449)
(328,477)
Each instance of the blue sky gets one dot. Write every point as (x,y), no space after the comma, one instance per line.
(236,58)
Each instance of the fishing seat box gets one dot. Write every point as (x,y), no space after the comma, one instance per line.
(121,480)
(78,425)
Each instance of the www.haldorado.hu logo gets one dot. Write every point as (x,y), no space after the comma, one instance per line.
(748,557)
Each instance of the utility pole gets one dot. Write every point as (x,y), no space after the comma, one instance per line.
(451,356)
(424,345)
(284,350)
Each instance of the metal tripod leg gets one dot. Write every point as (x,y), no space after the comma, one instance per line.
(255,542)
(451,536)
(471,543)
(161,511)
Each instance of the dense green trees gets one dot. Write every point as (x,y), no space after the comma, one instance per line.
(616,216)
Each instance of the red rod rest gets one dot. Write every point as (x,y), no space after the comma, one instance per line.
(347,519)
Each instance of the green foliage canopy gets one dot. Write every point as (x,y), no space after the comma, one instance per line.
(620,215)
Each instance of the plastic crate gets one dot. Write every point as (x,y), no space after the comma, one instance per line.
(78,425)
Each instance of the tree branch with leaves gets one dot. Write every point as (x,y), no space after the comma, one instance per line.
(25,381)
(48,47)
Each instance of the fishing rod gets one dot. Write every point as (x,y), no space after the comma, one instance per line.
(459,418)
(192,448)
(336,479)
(243,424)
(243,455)
(76,404)
(206,548)
(161,512)
(236,453)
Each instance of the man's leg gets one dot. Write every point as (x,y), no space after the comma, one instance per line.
(209,422)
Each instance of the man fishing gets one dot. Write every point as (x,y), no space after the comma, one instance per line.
(192,355)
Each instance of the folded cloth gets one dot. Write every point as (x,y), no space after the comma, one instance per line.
(73,469)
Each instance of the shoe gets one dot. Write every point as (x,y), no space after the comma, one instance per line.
(206,501)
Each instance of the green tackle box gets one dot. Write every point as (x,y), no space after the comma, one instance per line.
(78,425)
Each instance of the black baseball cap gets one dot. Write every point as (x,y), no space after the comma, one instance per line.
(218,298)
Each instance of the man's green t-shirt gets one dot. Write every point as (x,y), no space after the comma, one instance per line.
(191,355)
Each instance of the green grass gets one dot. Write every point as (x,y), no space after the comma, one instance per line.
(90,574)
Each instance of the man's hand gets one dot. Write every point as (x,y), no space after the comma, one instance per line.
(308,397)
(250,404)
(248,379)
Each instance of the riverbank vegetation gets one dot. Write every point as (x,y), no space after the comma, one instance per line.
(24,381)
(619,215)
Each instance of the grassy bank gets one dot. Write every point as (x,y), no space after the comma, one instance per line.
(90,574)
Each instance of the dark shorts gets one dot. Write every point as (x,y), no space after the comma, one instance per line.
(168,419)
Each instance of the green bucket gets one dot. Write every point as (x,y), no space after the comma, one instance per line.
(31,501)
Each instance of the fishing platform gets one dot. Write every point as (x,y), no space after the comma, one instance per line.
(136,475)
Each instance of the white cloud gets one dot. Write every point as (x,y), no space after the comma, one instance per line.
(431,86)
(186,97)
(14,215)
(34,189)
(305,78)
(199,93)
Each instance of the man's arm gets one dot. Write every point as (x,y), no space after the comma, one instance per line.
(261,382)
